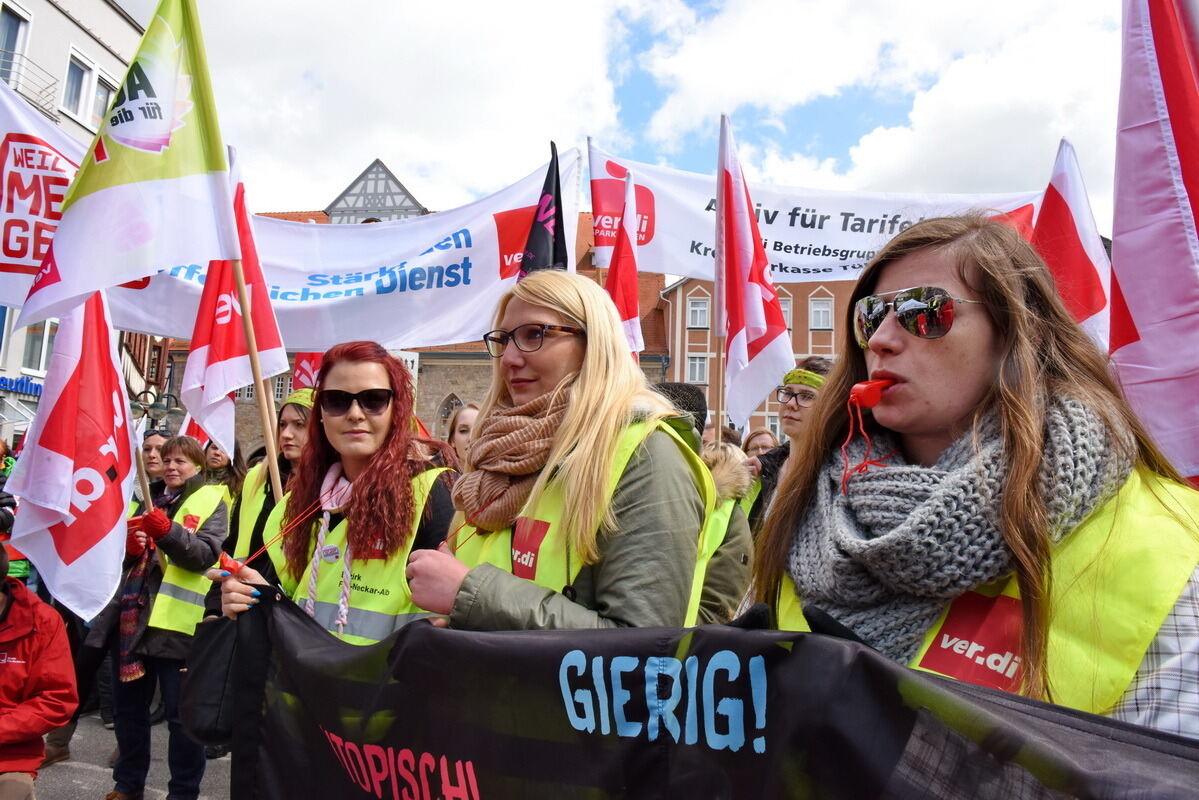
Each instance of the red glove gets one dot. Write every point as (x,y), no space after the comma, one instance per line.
(134,523)
(157,524)
(133,547)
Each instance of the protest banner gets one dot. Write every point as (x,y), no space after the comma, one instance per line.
(712,712)
(810,234)
(417,282)
(412,283)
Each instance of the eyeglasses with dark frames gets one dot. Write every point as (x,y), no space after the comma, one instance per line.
(803,398)
(528,338)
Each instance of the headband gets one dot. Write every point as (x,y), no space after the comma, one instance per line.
(305,397)
(804,377)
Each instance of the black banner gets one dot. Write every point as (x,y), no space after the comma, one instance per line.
(713,712)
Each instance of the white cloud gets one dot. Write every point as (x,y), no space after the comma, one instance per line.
(995,86)
(457,100)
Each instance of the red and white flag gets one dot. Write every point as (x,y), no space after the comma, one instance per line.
(308,366)
(622,285)
(189,427)
(219,361)
(75,476)
(1155,244)
(1066,237)
(757,345)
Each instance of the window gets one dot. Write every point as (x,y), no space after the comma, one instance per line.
(152,367)
(78,79)
(282,384)
(785,302)
(697,312)
(245,393)
(39,342)
(12,41)
(772,424)
(820,313)
(102,97)
(697,369)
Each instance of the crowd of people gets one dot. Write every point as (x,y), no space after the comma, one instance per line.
(998,464)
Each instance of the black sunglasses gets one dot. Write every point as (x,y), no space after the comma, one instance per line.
(528,338)
(924,311)
(163,432)
(335,402)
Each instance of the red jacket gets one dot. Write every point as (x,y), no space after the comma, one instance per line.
(37,679)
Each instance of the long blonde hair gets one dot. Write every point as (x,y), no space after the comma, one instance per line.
(608,393)
(1045,355)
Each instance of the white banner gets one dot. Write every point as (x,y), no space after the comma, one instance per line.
(810,234)
(419,282)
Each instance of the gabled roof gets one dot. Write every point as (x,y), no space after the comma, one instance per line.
(385,193)
(319,217)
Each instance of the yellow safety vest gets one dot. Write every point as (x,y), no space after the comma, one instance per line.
(179,604)
(535,550)
(253,498)
(380,601)
(1115,579)
(747,502)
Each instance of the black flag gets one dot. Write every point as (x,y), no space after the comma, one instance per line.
(546,246)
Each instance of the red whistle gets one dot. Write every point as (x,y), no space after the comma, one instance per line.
(229,563)
(869,394)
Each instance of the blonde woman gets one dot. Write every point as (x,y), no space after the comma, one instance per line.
(1001,517)
(583,506)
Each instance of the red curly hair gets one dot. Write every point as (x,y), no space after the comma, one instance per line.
(380,506)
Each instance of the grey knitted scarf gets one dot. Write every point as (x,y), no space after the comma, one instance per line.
(886,558)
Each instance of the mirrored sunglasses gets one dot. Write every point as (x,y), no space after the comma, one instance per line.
(924,311)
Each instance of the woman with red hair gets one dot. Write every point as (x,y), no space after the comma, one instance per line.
(363,497)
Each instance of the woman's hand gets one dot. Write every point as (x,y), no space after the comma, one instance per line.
(435,576)
(236,593)
(754,466)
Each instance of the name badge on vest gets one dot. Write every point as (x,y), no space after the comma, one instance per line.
(191,522)
(330,553)
(979,642)
(527,536)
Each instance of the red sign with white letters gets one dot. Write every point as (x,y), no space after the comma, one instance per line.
(979,642)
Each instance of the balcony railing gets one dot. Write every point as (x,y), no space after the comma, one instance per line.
(30,81)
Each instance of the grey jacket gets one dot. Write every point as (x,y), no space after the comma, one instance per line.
(643,575)
(194,551)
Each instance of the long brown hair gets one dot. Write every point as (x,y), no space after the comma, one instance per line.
(1045,355)
(380,507)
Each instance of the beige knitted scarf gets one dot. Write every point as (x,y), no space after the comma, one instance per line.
(506,456)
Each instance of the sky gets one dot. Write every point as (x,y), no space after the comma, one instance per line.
(460,99)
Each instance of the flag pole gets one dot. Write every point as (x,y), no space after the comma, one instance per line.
(720,340)
(268,422)
(142,480)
